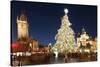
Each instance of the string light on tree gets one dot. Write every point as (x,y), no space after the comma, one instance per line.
(65,39)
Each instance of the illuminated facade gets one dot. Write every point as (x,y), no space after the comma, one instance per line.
(22,26)
(34,45)
(84,41)
(94,45)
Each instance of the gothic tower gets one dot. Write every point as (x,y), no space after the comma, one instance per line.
(22,26)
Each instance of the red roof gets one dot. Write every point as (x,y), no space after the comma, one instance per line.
(17,47)
(14,45)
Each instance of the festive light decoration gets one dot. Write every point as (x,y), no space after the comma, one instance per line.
(66,11)
(65,40)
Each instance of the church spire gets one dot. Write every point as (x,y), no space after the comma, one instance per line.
(83,30)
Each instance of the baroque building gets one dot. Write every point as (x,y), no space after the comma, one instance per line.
(84,41)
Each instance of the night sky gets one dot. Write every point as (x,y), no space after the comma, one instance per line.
(44,19)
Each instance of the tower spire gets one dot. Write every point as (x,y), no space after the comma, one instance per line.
(83,30)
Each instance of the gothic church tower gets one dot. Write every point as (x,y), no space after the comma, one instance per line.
(22,26)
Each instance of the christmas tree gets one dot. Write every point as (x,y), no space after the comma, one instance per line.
(65,39)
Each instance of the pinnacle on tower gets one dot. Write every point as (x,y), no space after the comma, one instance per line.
(83,31)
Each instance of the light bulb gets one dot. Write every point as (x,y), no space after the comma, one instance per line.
(66,11)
